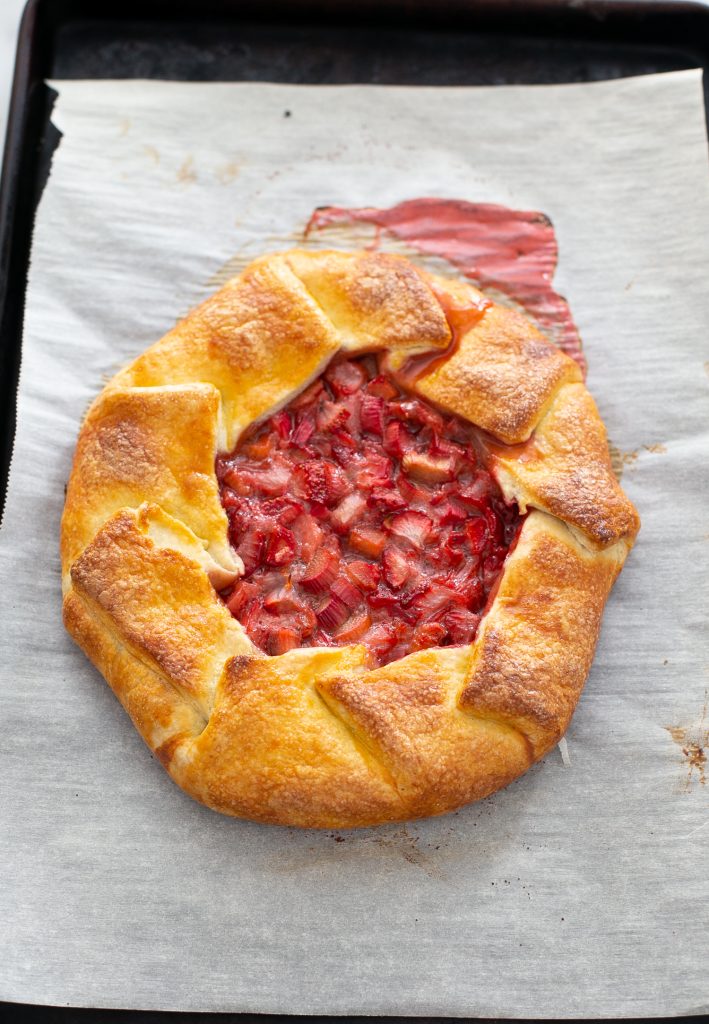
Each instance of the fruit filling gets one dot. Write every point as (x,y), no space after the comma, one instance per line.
(362,514)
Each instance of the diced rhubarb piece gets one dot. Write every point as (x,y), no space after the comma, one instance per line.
(305,620)
(308,536)
(354,628)
(303,432)
(461,625)
(430,469)
(412,526)
(242,595)
(494,526)
(414,411)
(332,613)
(345,378)
(283,639)
(346,591)
(428,634)
(396,566)
(366,575)
(382,387)
(280,547)
(281,424)
(367,540)
(320,571)
(397,440)
(386,499)
(261,447)
(282,600)
(476,532)
(309,396)
(372,414)
(348,512)
(251,548)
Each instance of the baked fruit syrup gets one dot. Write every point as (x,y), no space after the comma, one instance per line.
(362,514)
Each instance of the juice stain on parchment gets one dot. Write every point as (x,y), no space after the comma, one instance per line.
(621,460)
(693,741)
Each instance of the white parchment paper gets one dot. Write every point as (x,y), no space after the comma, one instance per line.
(581,890)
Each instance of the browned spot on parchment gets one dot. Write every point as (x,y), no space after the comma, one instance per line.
(693,741)
(186,172)
(152,154)
(621,459)
(227,172)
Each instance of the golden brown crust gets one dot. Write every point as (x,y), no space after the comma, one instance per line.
(374,300)
(535,645)
(565,469)
(154,444)
(502,377)
(312,737)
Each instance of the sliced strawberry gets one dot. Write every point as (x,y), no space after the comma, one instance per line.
(231,500)
(386,499)
(412,526)
(372,414)
(476,494)
(494,526)
(428,634)
(461,625)
(382,387)
(383,597)
(430,469)
(320,571)
(367,540)
(450,512)
(280,547)
(413,493)
(476,533)
(331,416)
(308,536)
(320,481)
(241,596)
(251,548)
(396,566)
(434,602)
(354,628)
(348,512)
(366,575)
(380,639)
(397,440)
(376,471)
(285,509)
(345,378)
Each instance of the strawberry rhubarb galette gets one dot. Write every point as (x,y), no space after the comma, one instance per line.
(341,541)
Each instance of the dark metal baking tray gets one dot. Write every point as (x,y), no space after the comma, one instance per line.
(428,42)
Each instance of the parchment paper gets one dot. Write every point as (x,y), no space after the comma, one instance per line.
(578,891)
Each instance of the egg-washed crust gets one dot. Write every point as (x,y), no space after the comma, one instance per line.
(315,737)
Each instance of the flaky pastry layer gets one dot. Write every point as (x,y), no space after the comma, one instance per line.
(315,737)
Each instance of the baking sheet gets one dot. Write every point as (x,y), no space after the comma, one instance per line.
(580,890)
